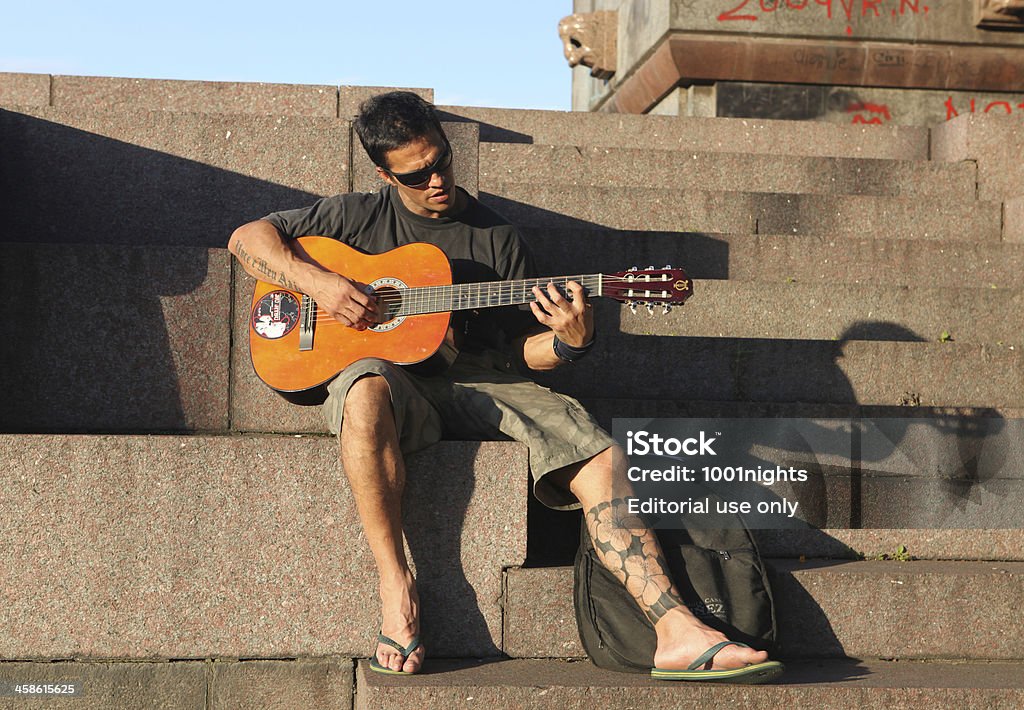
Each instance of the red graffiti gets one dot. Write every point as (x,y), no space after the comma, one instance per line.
(881,111)
(998,106)
(750,10)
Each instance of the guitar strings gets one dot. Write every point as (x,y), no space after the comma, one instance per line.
(438,299)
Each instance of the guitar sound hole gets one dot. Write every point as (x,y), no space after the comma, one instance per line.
(391,299)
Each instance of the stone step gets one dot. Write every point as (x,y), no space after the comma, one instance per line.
(737,172)
(560,206)
(782,258)
(66,171)
(933,374)
(578,685)
(159,177)
(115,338)
(831,609)
(726,135)
(818,311)
(249,547)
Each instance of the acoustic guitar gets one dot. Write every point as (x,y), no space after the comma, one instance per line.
(297,348)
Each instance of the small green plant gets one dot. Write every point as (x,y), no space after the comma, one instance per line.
(900,554)
(945,337)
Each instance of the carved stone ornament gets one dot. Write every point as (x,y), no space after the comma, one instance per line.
(999,14)
(590,39)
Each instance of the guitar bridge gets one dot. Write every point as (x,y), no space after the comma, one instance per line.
(308,322)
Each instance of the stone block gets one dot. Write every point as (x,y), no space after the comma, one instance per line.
(751,212)
(350,98)
(159,177)
(729,172)
(535,684)
(694,134)
(242,547)
(905,610)
(308,683)
(24,89)
(1013,220)
(835,311)
(539,618)
(926,544)
(751,370)
(995,142)
(780,258)
(139,95)
(115,338)
(168,686)
(465,142)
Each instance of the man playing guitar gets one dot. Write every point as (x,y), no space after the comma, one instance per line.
(389,411)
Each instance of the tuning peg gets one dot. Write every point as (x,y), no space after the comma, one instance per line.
(651,267)
(632,306)
(632,268)
(668,266)
(666,308)
(650,308)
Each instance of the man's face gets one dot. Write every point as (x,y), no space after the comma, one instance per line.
(437,195)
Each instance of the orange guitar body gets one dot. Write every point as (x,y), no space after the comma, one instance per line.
(293,367)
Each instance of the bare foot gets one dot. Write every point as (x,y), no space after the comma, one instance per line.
(682,639)
(400,611)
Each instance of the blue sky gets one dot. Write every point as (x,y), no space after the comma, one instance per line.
(471,52)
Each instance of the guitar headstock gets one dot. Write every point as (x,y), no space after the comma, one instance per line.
(648,287)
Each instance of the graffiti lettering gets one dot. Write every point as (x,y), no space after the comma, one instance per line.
(745,9)
(952,113)
(880,111)
(820,60)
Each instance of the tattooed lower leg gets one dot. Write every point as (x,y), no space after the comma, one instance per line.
(629,549)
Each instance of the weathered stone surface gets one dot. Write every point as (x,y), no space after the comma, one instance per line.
(663,209)
(161,177)
(539,618)
(244,547)
(1013,220)
(752,370)
(24,89)
(994,142)
(735,309)
(906,610)
(115,338)
(465,141)
(350,97)
(534,684)
(311,684)
(623,167)
(699,134)
(167,686)
(782,258)
(101,92)
(859,105)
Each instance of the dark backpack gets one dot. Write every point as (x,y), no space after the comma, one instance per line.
(719,574)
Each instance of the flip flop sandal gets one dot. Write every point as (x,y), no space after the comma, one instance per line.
(405,651)
(748,675)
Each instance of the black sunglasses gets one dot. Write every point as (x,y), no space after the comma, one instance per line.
(419,178)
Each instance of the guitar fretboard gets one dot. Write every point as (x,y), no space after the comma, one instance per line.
(486,294)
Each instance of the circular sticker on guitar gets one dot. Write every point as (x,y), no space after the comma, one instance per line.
(275,315)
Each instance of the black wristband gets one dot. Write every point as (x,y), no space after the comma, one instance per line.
(568,353)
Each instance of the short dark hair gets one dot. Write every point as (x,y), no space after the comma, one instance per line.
(389,121)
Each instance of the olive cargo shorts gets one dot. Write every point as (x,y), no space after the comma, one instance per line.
(482,397)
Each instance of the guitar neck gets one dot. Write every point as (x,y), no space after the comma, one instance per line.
(486,294)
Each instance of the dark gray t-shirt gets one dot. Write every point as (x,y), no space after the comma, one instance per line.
(480,244)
